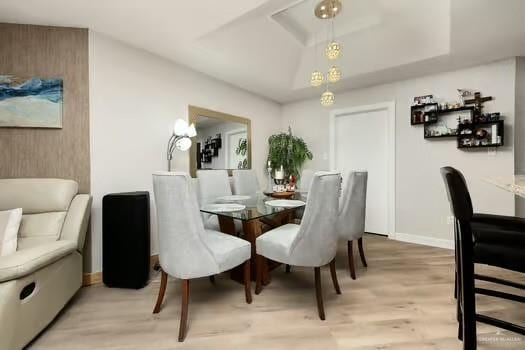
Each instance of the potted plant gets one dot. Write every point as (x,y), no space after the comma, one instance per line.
(288,151)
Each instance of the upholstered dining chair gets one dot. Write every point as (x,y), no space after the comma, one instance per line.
(187,249)
(311,244)
(305,181)
(245,182)
(486,239)
(211,185)
(351,220)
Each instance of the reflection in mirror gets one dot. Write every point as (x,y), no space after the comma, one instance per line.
(222,141)
(221,145)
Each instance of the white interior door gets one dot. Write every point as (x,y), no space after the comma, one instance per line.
(360,142)
(232,141)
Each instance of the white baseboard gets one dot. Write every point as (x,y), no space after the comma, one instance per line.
(423,240)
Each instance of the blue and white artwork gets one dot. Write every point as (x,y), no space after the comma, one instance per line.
(30,102)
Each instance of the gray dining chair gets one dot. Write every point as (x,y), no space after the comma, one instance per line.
(213,184)
(305,181)
(351,220)
(245,182)
(311,244)
(187,249)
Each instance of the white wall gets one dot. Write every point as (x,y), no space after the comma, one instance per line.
(135,98)
(421,204)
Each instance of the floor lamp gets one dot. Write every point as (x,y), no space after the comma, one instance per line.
(180,138)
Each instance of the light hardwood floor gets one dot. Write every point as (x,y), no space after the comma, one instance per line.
(403,300)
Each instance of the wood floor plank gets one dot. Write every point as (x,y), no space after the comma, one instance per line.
(402,301)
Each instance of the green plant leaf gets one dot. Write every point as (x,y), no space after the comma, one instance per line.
(289,151)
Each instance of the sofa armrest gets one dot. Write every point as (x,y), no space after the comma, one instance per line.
(77,220)
(24,262)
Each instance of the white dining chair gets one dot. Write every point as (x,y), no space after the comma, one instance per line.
(245,182)
(187,249)
(351,221)
(311,244)
(305,181)
(213,184)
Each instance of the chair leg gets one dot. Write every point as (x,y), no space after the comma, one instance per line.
(184,309)
(333,273)
(288,268)
(351,265)
(319,292)
(361,251)
(212,279)
(467,292)
(162,290)
(258,271)
(247,282)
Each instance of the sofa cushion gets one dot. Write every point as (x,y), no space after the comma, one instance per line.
(9,225)
(40,228)
(37,195)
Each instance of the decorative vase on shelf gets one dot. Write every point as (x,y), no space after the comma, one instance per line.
(269,185)
(279,176)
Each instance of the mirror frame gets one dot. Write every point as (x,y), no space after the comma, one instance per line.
(194,113)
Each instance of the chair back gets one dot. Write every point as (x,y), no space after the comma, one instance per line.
(352,213)
(182,251)
(245,182)
(213,184)
(305,181)
(458,194)
(316,243)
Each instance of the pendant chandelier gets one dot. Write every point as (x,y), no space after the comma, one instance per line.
(328,10)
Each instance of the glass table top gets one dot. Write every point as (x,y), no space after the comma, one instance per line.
(255,207)
(514,184)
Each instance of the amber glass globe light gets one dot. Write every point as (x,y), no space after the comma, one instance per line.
(333,50)
(334,74)
(317,78)
(327,98)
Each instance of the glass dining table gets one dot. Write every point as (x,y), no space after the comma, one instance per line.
(255,212)
(514,184)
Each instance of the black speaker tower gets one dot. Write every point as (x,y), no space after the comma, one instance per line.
(126,239)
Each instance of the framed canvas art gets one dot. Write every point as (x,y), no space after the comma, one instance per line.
(30,102)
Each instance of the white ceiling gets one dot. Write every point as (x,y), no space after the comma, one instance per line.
(268,46)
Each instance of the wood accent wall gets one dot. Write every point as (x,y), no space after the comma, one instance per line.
(28,50)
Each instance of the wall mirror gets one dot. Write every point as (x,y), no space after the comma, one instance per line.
(223,141)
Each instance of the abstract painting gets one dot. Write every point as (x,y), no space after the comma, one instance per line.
(30,102)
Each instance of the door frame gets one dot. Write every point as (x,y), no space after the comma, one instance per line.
(227,135)
(390,108)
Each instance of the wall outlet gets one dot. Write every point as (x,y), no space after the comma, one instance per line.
(450,220)
(325,156)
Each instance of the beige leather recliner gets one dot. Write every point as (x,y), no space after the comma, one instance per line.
(46,270)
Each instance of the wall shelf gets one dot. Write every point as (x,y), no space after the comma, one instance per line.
(447,120)
(470,141)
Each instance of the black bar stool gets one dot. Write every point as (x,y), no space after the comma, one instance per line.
(485,239)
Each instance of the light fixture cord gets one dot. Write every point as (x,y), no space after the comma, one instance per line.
(333,30)
(327,62)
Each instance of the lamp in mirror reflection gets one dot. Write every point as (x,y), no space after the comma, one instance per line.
(317,78)
(180,138)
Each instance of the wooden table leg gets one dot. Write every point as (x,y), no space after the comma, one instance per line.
(252,229)
(227,225)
